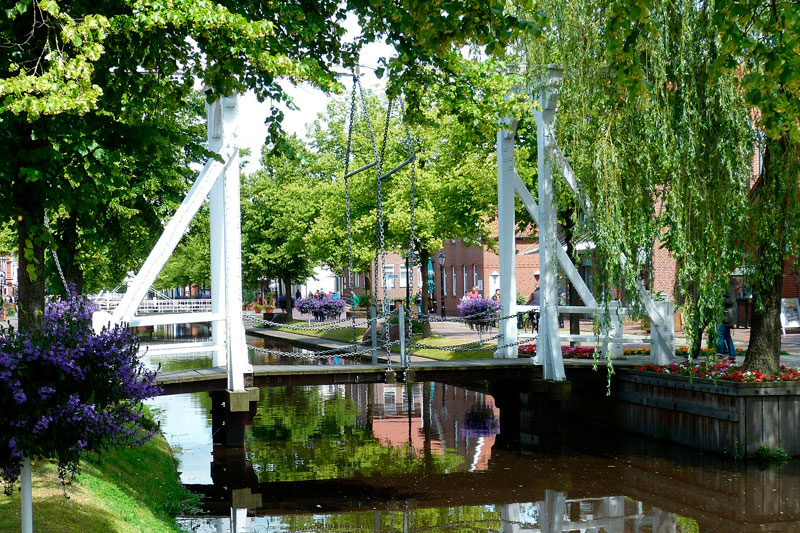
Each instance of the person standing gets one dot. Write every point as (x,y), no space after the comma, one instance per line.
(474,294)
(725,343)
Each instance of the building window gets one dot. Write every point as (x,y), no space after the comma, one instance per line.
(474,276)
(388,274)
(444,281)
(455,284)
(466,281)
(403,276)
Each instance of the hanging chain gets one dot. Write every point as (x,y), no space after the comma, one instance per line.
(381,234)
(347,202)
(411,237)
(365,112)
(347,186)
(55,257)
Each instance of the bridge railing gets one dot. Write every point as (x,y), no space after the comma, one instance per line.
(151,306)
(611,337)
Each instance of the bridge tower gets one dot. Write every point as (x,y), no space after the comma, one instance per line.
(551,253)
(219,182)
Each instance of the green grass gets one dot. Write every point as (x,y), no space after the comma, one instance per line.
(448,355)
(343,335)
(125,489)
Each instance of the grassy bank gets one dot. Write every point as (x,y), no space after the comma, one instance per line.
(449,355)
(344,335)
(126,489)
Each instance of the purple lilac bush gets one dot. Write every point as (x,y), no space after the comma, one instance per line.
(67,390)
(478,308)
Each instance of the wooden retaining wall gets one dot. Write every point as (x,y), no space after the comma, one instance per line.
(726,417)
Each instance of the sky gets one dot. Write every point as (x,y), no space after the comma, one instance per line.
(309,101)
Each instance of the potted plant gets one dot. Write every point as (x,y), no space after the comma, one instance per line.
(269,302)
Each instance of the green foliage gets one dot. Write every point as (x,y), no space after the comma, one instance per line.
(96,103)
(747,53)
(280,207)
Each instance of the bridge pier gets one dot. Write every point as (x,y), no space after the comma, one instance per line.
(231,411)
(534,417)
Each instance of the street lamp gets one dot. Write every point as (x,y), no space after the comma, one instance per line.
(440,258)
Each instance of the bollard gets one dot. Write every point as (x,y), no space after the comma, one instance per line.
(373,317)
(401,322)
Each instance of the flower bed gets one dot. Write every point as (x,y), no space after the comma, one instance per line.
(725,370)
(567,352)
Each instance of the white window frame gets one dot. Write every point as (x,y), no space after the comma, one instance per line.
(403,277)
(464,268)
(455,282)
(474,275)
(387,270)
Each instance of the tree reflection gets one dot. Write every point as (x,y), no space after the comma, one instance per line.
(299,434)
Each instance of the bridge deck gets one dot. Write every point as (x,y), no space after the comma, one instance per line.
(210,379)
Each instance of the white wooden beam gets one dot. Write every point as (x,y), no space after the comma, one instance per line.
(174,318)
(563,259)
(506,241)
(173,232)
(549,344)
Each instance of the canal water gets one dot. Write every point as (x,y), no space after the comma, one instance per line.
(433,457)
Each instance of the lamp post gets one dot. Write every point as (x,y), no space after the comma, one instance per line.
(440,258)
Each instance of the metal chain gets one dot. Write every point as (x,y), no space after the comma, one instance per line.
(347,186)
(365,112)
(343,351)
(55,257)
(381,235)
(411,237)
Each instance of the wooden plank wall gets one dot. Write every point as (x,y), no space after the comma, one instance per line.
(724,418)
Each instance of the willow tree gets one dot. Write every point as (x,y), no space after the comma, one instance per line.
(665,161)
(757,50)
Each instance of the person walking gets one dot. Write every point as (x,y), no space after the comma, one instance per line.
(725,343)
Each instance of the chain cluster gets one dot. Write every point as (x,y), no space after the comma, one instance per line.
(345,351)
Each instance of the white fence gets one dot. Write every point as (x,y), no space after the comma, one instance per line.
(150,306)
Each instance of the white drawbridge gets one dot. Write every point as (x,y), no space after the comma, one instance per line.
(219,182)
(509,186)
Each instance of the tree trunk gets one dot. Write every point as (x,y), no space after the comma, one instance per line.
(287,284)
(574,297)
(31,261)
(424,257)
(774,197)
(763,352)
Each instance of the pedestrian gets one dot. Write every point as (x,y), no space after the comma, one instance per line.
(474,294)
(298,294)
(725,343)
(534,300)
(496,296)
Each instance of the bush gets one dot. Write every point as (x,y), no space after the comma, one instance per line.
(66,389)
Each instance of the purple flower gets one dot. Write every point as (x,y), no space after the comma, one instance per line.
(88,390)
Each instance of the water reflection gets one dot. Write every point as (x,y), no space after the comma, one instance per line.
(430,456)
(555,513)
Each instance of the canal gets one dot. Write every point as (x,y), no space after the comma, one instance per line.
(433,457)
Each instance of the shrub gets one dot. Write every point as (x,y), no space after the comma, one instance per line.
(66,390)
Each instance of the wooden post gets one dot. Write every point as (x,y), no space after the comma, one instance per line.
(373,314)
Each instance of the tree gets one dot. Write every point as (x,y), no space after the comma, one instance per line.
(755,52)
(455,184)
(664,160)
(70,66)
(280,205)
(190,263)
